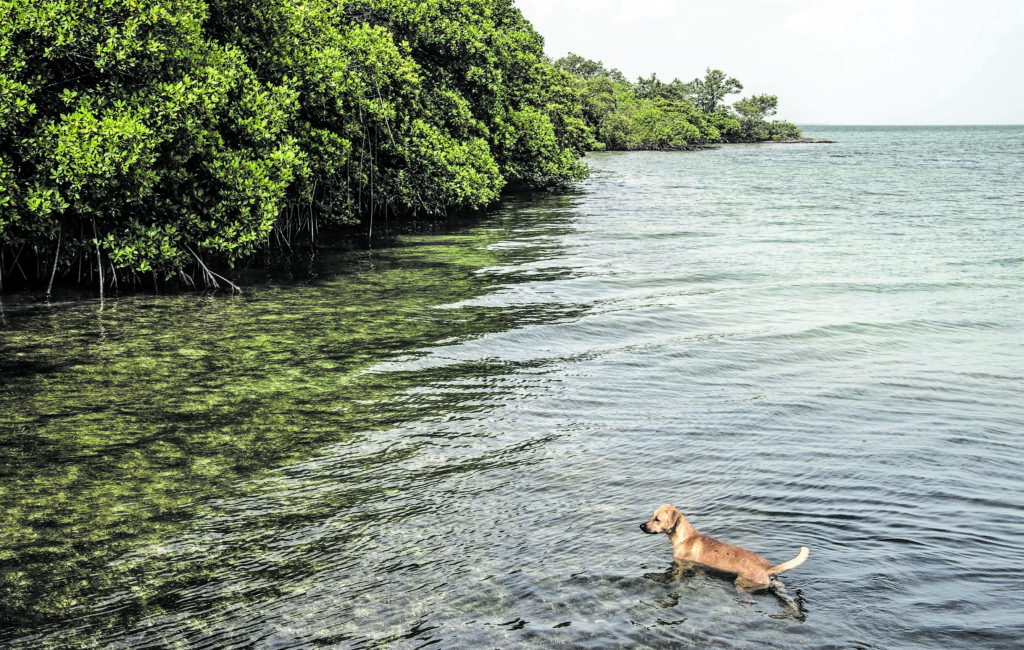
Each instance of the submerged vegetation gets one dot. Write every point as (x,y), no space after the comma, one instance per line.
(652,114)
(121,426)
(142,140)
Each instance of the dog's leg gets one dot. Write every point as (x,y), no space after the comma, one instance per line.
(677,571)
(746,596)
(683,569)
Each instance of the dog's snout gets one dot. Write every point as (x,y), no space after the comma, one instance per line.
(643,527)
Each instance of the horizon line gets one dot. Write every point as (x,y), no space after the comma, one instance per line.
(803,123)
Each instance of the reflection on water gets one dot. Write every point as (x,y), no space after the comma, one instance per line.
(454,442)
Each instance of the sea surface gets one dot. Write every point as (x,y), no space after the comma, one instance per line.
(452,442)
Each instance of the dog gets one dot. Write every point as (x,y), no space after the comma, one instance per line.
(689,547)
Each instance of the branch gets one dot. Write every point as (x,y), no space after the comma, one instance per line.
(56,258)
(210,275)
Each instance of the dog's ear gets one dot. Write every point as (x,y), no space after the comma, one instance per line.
(672,516)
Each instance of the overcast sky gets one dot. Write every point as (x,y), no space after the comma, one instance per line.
(828,61)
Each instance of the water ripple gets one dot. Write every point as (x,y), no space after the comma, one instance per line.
(798,346)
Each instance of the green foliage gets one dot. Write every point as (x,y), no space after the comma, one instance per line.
(146,141)
(754,126)
(757,107)
(604,101)
(652,114)
(664,125)
(151,134)
(782,130)
(584,68)
(710,91)
(655,88)
(725,121)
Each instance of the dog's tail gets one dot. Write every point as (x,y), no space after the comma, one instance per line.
(795,562)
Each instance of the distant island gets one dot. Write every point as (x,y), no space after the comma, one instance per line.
(650,114)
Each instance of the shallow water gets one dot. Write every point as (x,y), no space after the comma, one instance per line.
(455,441)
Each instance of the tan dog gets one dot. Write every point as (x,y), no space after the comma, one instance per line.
(752,571)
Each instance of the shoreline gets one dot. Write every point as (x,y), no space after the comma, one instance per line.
(800,140)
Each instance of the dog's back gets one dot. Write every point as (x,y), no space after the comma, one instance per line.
(727,558)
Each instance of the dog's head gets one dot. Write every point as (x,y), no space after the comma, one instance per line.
(664,520)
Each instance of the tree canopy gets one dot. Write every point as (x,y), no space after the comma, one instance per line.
(149,135)
(709,92)
(653,114)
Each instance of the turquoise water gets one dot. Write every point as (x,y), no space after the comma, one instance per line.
(799,345)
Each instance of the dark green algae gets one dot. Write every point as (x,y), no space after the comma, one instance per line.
(121,421)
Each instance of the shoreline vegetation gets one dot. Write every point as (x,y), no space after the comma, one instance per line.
(651,114)
(148,144)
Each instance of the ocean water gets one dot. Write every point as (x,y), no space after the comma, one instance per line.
(814,345)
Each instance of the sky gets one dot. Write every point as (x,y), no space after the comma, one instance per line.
(828,61)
